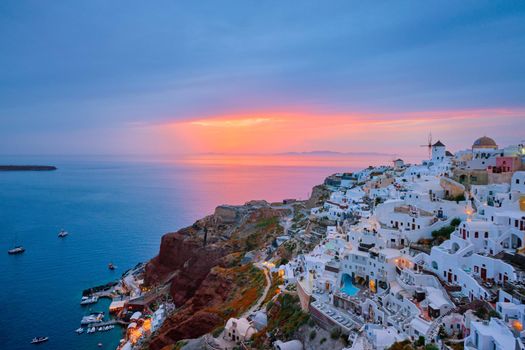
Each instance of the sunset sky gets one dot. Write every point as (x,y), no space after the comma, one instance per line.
(173,77)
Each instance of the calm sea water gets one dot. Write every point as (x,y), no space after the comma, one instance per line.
(116,211)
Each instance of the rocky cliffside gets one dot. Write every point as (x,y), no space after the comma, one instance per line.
(203,262)
(319,194)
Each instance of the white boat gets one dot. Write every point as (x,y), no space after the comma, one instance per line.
(16,250)
(95,317)
(38,340)
(88,300)
(80,330)
(63,233)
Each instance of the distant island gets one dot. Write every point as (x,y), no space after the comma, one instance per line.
(27,168)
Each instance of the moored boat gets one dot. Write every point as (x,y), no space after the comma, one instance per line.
(111,266)
(88,300)
(62,233)
(94,317)
(79,330)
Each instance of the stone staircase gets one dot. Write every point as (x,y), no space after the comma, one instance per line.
(434,328)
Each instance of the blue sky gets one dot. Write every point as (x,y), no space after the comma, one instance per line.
(84,76)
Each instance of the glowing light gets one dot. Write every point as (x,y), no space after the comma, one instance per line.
(147,325)
(517,325)
(372,285)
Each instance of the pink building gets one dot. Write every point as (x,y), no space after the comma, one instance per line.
(506,165)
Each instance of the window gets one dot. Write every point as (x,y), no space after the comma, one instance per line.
(476,234)
(486,235)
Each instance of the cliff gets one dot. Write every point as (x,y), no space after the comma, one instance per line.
(209,283)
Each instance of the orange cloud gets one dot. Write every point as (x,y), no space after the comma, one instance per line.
(273,131)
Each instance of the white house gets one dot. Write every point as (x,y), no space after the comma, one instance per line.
(491,335)
(238,330)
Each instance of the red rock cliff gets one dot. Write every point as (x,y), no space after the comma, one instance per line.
(206,279)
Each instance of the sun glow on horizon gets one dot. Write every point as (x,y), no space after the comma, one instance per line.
(274,132)
(243,122)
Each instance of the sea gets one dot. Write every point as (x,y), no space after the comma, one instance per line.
(116,209)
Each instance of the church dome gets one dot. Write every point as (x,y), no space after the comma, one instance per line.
(485,142)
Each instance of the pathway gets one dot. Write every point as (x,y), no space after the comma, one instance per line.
(265,292)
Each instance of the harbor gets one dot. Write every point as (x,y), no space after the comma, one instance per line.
(133,309)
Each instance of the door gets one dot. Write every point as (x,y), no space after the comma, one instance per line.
(483,273)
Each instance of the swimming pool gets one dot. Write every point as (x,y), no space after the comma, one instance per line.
(348,286)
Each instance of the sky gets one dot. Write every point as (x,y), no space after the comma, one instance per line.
(173,77)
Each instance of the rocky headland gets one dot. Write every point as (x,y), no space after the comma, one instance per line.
(210,269)
(27,168)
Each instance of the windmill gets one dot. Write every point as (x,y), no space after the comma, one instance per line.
(429,145)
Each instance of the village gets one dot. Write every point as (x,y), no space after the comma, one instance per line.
(431,255)
(428,254)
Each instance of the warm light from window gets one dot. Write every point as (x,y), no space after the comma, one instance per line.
(372,285)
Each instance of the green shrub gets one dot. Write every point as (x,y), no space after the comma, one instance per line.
(442,333)
(336,333)
(481,313)
(493,313)
(313,334)
(283,261)
(455,222)
(444,232)
(420,341)
(217,331)
(287,315)
(322,341)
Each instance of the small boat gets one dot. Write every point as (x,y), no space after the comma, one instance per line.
(38,340)
(99,345)
(88,300)
(62,233)
(80,330)
(94,317)
(16,250)
(111,266)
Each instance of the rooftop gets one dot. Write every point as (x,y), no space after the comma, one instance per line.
(484,142)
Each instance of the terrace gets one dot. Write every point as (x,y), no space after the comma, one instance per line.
(332,316)
(412,211)
(516,289)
